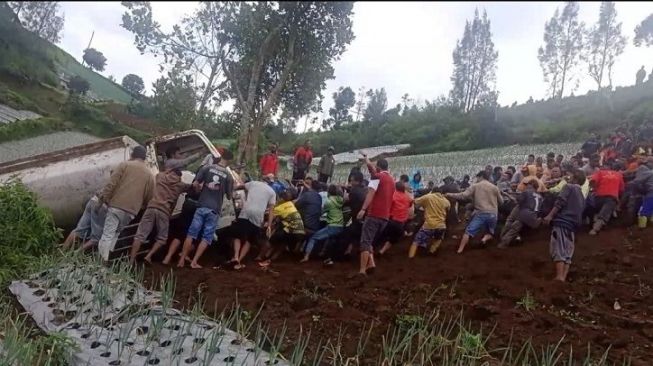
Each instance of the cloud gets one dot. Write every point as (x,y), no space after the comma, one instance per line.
(405,47)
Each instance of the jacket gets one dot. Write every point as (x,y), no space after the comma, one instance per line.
(416,186)
(303,159)
(130,187)
(485,196)
(327,164)
(530,205)
(167,189)
(643,182)
(269,164)
(532,175)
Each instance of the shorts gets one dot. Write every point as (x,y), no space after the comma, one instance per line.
(647,207)
(83,229)
(372,230)
(153,217)
(393,232)
(205,222)
(245,230)
(479,221)
(562,243)
(424,236)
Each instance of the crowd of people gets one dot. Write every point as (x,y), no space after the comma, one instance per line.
(369,214)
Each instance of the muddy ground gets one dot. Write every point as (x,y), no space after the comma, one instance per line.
(486,284)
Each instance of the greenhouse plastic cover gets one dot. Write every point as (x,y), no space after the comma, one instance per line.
(115,322)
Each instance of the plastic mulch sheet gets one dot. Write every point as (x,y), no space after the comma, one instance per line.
(115,321)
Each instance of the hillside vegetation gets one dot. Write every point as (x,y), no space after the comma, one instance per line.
(30,70)
(437,126)
(25,56)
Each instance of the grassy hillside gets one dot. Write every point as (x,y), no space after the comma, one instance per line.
(24,56)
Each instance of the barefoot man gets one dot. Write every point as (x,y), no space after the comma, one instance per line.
(376,210)
(167,189)
(215,182)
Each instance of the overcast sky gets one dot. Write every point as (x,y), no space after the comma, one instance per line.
(405,47)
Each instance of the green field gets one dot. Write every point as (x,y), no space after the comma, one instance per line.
(434,167)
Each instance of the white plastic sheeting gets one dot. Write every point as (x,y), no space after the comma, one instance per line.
(115,321)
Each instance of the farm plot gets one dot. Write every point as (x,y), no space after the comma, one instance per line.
(485,307)
(434,167)
(115,321)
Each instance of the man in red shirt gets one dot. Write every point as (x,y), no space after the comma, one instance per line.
(399,212)
(608,186)
(269,163)
(376,210)
(302,161)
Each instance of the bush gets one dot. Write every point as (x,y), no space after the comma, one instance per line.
(28,230)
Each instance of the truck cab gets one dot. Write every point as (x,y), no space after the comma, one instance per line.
(189,142)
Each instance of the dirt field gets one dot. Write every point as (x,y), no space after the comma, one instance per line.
(485,284)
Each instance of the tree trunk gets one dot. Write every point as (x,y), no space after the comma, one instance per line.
(209,84)
(245,122)
(251,150)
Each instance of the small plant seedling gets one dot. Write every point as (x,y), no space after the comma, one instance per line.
(527,302)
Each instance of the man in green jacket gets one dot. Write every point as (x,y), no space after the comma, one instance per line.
(327,164)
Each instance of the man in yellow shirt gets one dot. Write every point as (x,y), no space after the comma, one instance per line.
(289,230)
(435,207)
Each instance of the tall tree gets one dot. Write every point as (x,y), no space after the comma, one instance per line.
(562,50)
(133,83)
(405,101)
(377,102)
(343,100)
(193,47)
(273,54)
(44,18)
(475,63)
(280,55)
(360,104)
(644,32)
(606,43)
(94,59)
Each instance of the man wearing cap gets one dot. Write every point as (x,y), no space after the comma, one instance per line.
(130,188)
(327,164)
(166,193)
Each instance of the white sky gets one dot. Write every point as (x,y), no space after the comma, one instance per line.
(405,47)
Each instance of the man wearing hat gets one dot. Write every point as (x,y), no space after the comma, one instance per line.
(327,164)
(130,188)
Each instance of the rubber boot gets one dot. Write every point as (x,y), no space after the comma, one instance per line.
(412,251)
(641,222)
(435,246)
(598,224)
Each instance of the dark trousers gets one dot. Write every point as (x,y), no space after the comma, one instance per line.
(605,206)
(323,178)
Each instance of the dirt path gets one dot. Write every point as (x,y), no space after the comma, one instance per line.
(486,284)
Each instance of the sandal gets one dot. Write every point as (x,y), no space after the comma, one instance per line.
(239,266)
